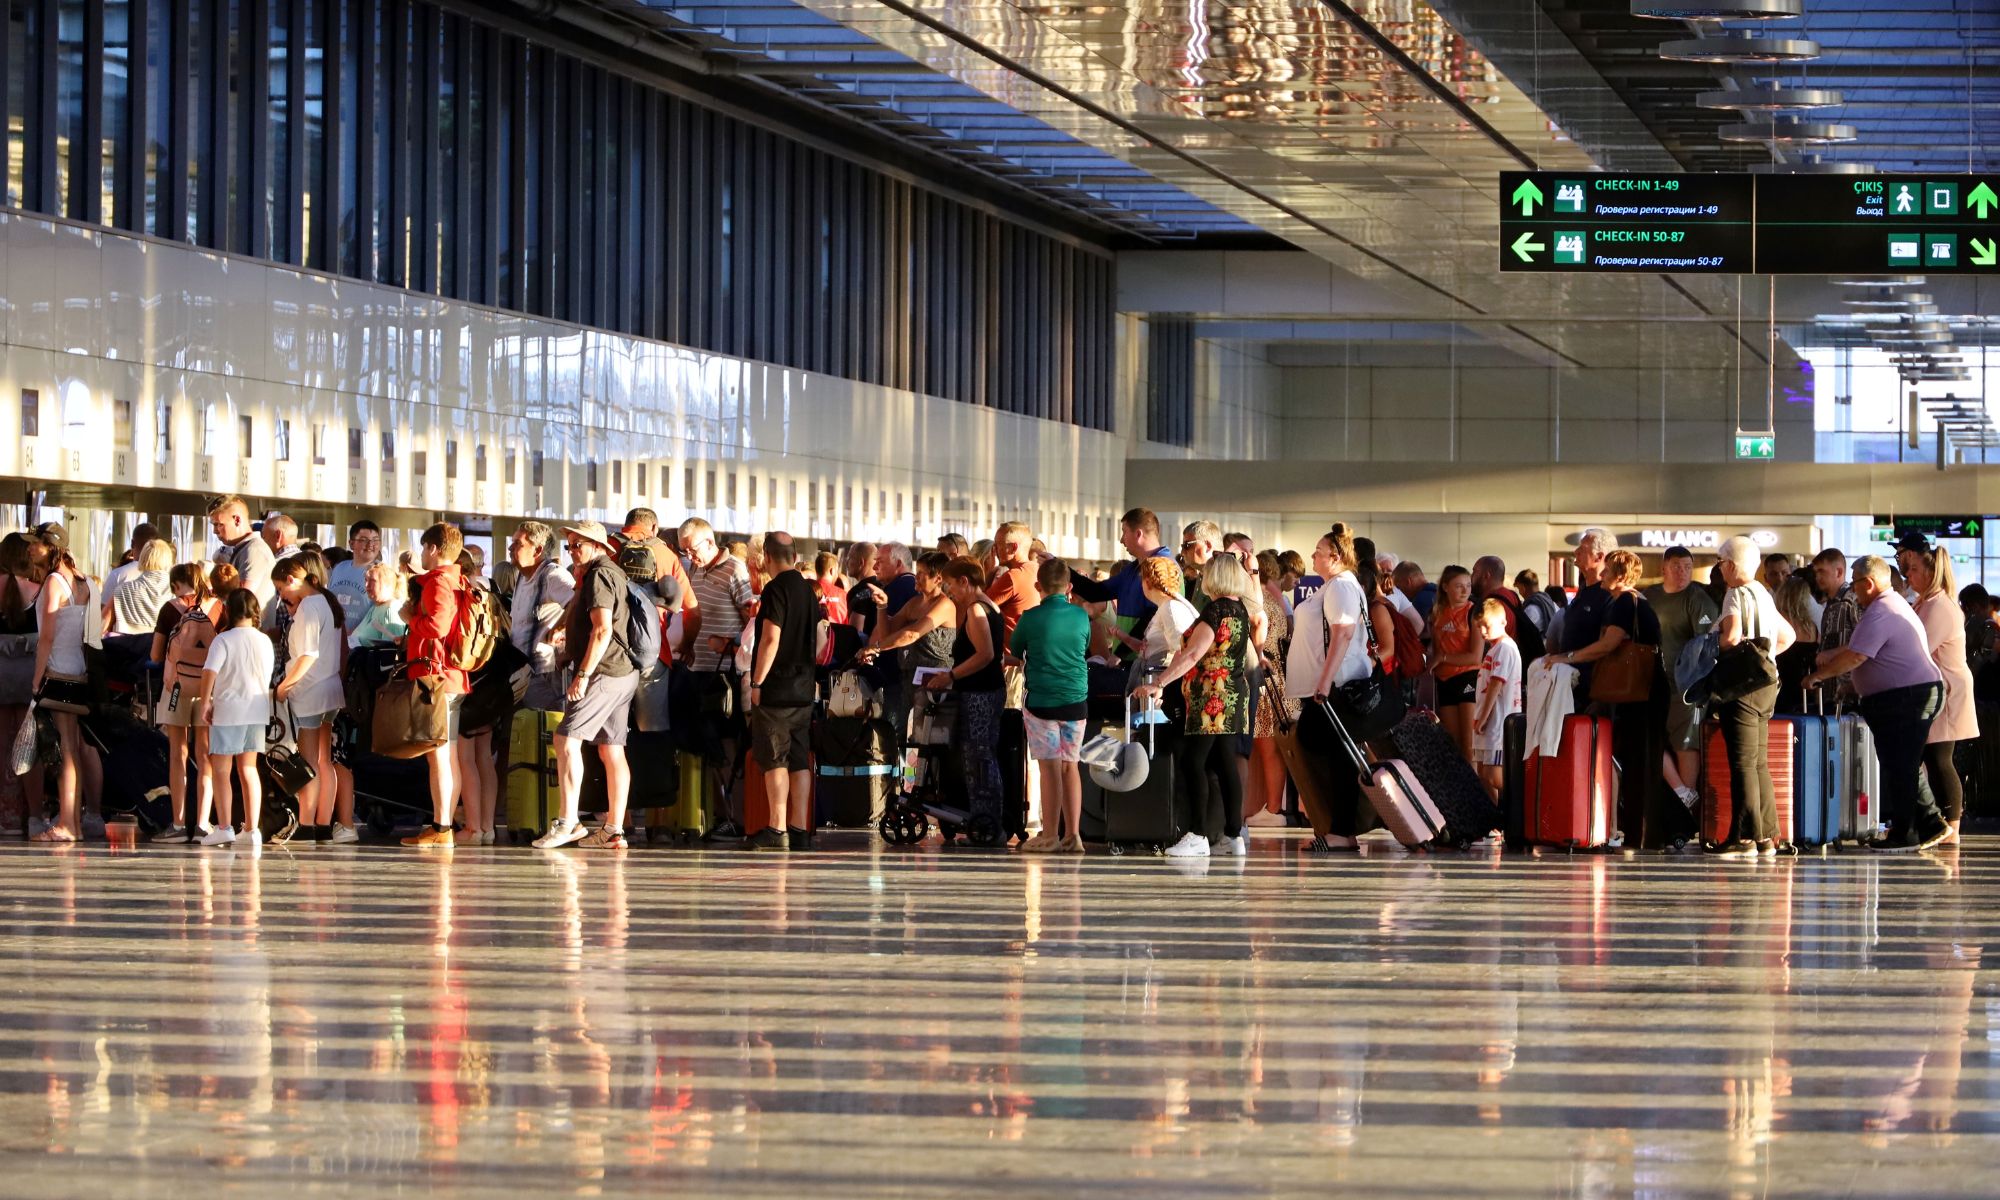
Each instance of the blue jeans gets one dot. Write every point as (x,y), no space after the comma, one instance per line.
(1900,719)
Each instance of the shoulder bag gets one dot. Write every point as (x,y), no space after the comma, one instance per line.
(1368,707)
(1625,676)
(1747,666)
(284,767)
(412,716)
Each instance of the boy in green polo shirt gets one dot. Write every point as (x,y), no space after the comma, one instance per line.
(1053,638)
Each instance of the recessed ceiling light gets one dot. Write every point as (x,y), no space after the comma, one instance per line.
(1870,281)
(1771,98)
(1718,10)
(1731,48)
(1812,168)
(1784,132)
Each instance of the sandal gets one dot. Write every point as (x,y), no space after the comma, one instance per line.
(54,834)
(1320,845)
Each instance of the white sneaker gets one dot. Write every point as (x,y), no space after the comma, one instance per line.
(221,835)
(1689,797)
(343,835)
(1237,845)
(562,833)
(1192,846)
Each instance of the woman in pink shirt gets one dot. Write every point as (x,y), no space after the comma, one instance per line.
(1944,634)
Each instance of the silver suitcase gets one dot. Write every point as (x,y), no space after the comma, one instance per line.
(1859,778)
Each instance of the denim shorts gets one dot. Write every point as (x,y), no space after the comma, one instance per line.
(314,720)
(236,739)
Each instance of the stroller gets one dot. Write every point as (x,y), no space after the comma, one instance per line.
(925,795)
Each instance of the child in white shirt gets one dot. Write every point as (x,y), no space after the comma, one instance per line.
(236,681)
(1499,694)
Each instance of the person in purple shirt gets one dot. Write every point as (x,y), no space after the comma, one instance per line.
(1901,692)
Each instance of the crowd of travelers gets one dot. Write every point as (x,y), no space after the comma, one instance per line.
(244,661)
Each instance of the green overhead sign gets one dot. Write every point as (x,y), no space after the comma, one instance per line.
(1750,224)
(1762,447)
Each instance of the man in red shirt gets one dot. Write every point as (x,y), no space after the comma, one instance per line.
(1013,589)
(431,613)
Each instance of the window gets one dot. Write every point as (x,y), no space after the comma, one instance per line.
(163,431)
(451,460)
(31,413)
(639,478)
(388,449)
(354,459)
(535,470)
(420,464)
(513,473)
(245,429)
(753,491)
(617,475)
(687,486)
(479,464)
(282,440)
(121,423)
(590,476)
(708,497)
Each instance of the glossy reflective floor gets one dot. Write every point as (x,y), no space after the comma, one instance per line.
(368,1020)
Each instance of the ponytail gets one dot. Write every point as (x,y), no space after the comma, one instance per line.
(1342,538)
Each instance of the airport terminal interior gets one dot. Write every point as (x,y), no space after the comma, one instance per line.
(932,598)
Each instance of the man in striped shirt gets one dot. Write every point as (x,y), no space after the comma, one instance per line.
(709,631)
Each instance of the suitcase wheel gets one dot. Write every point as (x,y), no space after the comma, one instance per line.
(689,837)
(380,823)
(1118,849)
(985,831)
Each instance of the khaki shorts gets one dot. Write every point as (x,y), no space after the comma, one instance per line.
(184,715)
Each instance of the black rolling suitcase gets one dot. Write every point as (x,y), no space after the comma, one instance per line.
(1453,785)
(1149,816)
(854,770)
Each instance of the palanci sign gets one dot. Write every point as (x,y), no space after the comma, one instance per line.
(1699,539)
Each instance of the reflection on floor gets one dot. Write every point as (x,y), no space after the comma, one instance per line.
(930,1023)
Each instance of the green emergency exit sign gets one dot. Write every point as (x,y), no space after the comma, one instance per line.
(1761,447)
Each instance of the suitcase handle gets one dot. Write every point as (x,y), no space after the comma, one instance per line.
(1131,731)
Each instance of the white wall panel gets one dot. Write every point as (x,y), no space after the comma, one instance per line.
(99,317)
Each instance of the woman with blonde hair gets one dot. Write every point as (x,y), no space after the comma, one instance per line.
(1944,633)
(1213,668)
(1265,806)
(135,607)
(1794,599)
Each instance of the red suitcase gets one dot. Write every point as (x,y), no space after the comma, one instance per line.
(757,803)
(1718,805)
(1567,799)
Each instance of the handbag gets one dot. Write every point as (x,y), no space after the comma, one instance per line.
(412,716)
(849,694)
(284,766)
(64,693)
(1747,666)
(1369,707)
(21,755)
(1625,676)
(17,668)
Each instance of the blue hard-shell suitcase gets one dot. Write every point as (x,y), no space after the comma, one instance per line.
(1815,773)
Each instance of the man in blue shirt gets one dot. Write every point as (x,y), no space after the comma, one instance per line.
(1139,533)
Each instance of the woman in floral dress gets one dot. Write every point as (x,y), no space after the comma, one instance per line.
(1213,668)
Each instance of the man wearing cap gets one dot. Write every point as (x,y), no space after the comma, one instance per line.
(598,704)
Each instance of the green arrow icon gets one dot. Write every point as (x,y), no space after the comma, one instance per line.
(1972,529)
(1528,195)
(1983,198)
(1525,246)
(1986,253)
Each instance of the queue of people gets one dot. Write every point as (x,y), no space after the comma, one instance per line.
(1237,648)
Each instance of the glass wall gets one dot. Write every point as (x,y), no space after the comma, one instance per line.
(406,144)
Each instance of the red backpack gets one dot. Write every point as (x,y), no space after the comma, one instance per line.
(1408,660)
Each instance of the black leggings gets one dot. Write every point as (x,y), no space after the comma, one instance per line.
(1207,764)
(1944,779)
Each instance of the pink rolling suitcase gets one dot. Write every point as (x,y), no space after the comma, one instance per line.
(1392,788)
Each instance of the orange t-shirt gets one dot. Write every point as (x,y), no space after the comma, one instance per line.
(1451,633)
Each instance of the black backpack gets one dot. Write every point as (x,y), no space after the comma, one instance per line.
(1526,634)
